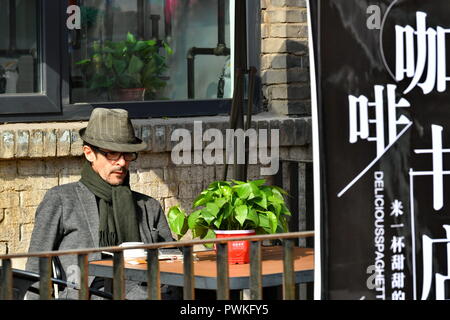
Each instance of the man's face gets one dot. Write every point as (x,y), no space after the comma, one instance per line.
(113,172)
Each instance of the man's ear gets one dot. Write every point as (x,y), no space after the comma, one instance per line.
(89,153)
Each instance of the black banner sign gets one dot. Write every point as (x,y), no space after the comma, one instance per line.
(383,126)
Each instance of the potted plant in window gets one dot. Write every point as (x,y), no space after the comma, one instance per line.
(127,70)
(236,208)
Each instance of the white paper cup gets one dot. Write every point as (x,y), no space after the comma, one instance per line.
(133,253)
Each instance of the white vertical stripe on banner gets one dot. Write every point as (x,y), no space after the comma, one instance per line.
(316,163)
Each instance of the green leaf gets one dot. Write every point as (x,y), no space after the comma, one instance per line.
(264,222)
(177,221)
(273,222)
(135,65)
(220,202)
(241,214)
(261,201)
(253,217)
(193,219)
(131,38)
(119,66)
(259,182)
(207,216)
(254,190)
(243,191)
(209,235)
(212,208)
(167,48)
(109,61)
(226,191)
(82,62)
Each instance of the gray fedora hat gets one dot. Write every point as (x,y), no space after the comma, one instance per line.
(111,129)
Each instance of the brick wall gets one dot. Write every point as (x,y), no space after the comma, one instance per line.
(284,57)
(42,156)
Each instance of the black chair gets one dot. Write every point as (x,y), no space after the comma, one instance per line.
(23,282)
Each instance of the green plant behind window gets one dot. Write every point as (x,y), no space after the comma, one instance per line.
(233,205)
(126,64)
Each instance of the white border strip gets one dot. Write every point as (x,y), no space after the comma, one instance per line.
(316,162)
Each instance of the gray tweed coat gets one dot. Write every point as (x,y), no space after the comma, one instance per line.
(68,218)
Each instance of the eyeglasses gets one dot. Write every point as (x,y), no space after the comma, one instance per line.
(115,156)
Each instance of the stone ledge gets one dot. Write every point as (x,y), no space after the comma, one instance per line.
(53,140)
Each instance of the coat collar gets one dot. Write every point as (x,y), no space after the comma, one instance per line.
(90,211)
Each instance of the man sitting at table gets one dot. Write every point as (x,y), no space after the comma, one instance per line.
(100,210)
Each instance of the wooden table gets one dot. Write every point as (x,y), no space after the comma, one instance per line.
(205,271)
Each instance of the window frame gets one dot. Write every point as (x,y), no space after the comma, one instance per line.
(49,99)
(65,111)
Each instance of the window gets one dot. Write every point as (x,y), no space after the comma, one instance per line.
(18,47)
(28,74)
(152,57)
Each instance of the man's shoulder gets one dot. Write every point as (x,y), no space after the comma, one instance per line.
(143,197)
(66,186)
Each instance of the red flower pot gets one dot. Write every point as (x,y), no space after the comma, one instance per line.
(135,94)
(238,251)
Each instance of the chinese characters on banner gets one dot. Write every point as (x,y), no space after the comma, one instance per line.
(384,105)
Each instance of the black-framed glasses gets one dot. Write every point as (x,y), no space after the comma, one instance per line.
(114,155)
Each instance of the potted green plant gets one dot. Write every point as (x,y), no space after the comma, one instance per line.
(127,70)
(236,206)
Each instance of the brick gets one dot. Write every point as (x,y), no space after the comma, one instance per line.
(288,31)
(288,3)
(50,145)
(153,160)
(134,177)
(300,153)
(189,191)
(27,214)
(147,134)
(303,131)
(22,143)
(263,4)
(285,76)
(165,190)
(284,152)
(8,169)
(159,138)
(265,30)
(63,142)
(290,92)
(31,167)
(284,61)
(7,144)
(42,183)
(274,45)
(287,128)
(192,174)
(76,146)
(3,248)
(151,176)
(9,200)
(290,107)
(32,198)
(36,147)
(283,16)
